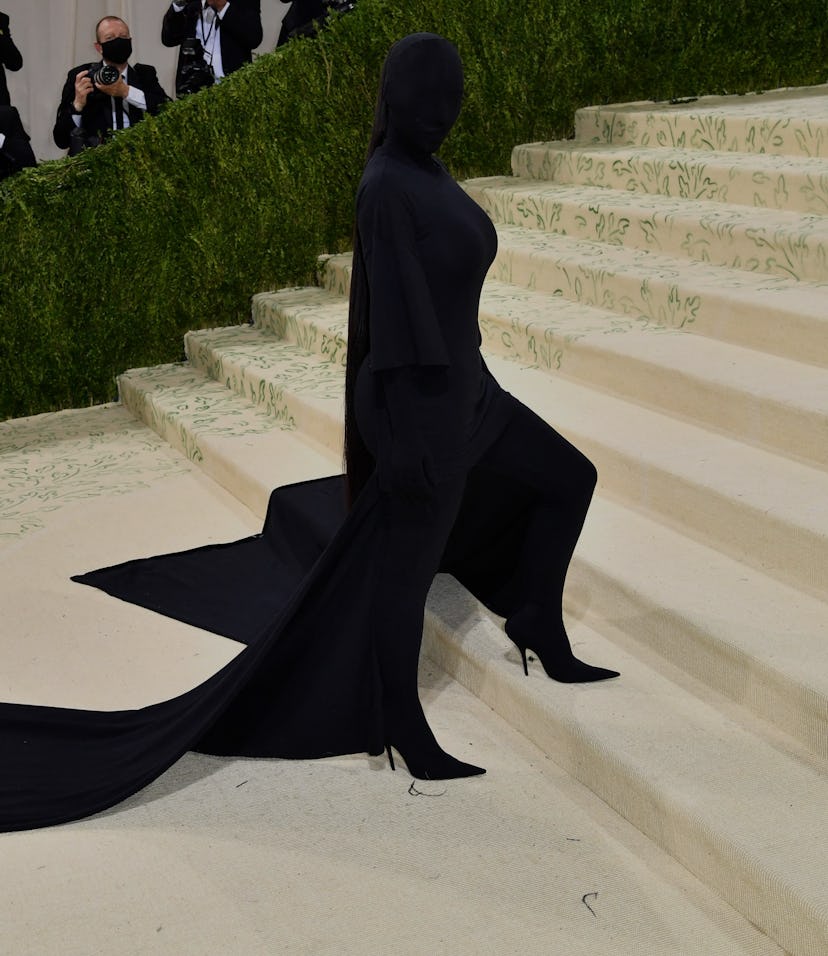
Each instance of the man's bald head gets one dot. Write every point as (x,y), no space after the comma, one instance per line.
(109,27)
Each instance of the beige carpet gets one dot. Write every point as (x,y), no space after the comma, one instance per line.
(339,856)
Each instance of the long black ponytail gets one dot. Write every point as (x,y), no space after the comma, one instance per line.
(359,462)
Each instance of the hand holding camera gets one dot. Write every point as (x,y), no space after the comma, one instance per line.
(117,88)
(105,78)
(83,87)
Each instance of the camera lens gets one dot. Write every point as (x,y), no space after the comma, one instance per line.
(105,75)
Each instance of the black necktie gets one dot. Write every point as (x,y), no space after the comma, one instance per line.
(119,112)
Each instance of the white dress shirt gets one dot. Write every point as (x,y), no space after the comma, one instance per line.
(134,97)
(207,31)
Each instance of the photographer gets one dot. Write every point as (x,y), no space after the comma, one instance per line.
(225,33)
(15,151)
(10,58)
(108,95)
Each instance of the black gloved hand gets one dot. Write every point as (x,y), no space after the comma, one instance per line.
(4,22)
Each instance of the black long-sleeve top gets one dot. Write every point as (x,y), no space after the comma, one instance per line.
(427,249)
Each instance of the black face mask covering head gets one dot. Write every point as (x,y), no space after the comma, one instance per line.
(117,51)
(423,91)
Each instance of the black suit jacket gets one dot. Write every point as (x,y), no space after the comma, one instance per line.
(15,153)
(239,34)
(10,59)
(96,117)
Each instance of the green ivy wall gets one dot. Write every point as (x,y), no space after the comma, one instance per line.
(109,258)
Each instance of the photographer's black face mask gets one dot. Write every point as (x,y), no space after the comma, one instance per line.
(117,50)
(423,90)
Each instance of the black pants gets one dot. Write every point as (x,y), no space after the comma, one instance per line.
(528,451)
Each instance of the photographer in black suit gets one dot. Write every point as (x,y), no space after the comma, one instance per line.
(10,58)
(226,31)
(15,151)
(96,100)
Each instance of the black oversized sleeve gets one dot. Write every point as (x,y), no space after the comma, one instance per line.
(63,121)
(177,25)
(403,325)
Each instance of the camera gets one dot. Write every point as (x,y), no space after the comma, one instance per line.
(105,75)
(193,73)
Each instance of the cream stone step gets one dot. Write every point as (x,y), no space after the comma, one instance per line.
(792,122)
(765,400)
(755,240)
(334,274)
(247,450)
(742,810)
(768,313)
(752,179)
(772,402)
(744,635)
(311,318)
(281,379)
(762,509)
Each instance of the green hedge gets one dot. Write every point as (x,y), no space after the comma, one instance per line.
(108,258)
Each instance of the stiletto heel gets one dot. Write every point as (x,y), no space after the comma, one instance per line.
(528,628)
(425,758)
(439,766)
(523,658)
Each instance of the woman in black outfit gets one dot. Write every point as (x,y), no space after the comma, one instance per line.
(423,407)
(446,471)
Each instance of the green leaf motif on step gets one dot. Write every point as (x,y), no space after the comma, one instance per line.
(610,227)
(334,348)
(780,194)
(585,163)
(696,247)
(54,460)
(694,181)
(710,133)
(277,322)
(816,192)
(625,167)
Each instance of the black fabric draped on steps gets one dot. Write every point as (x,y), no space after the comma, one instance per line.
(305,686)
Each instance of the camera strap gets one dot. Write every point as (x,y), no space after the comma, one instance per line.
(207,32)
